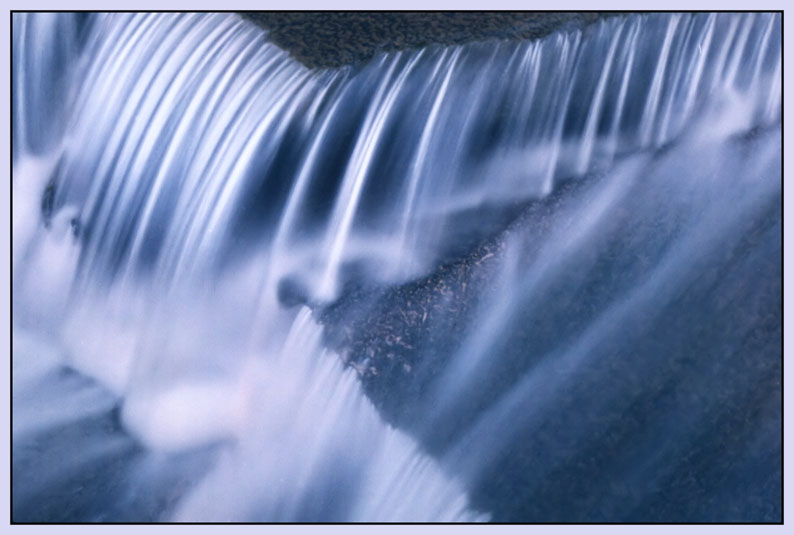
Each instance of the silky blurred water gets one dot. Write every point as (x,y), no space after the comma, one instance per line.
(186,195)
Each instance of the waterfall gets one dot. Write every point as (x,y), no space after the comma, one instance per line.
(206,234)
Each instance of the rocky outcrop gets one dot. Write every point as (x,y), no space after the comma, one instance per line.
(334,39)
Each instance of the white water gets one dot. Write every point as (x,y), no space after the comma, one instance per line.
(198,171)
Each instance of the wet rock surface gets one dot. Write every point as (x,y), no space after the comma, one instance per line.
(400,338)
(381,332)
(334,39)
(688,395)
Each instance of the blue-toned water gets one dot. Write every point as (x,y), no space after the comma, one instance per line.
(208,239)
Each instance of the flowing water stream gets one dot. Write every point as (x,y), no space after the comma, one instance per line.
(189,202)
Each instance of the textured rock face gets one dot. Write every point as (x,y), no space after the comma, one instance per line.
(691,352)
(336,39)
(625,402)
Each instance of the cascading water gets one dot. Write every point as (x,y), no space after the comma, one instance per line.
(522,281)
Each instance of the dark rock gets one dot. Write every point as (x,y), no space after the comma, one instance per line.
(335,39)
